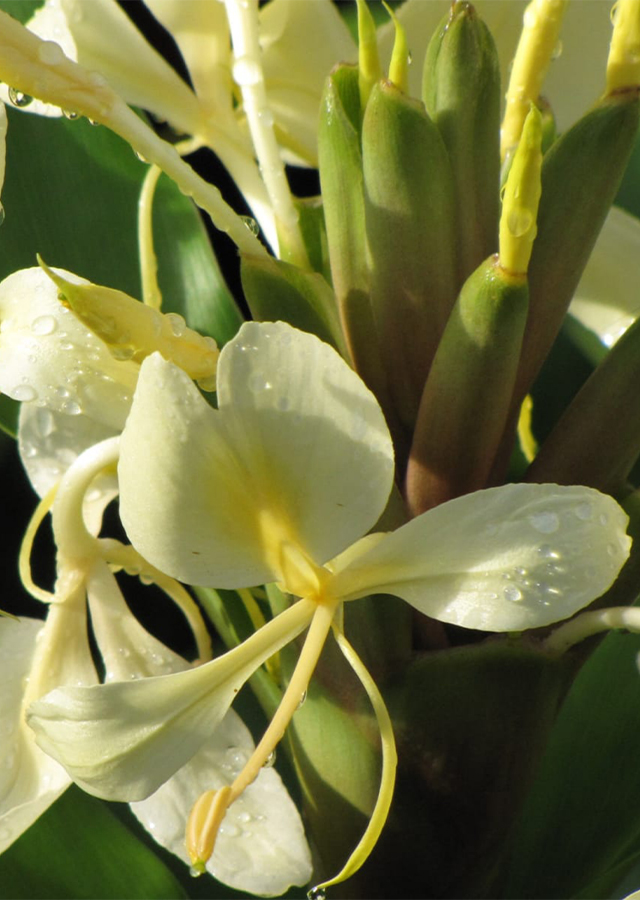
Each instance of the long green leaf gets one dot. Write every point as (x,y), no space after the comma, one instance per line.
(79,849)
(581,822)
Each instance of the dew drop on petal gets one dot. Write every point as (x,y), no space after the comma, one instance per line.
(246,72)
(251,224)
(50,53)
(19,99)
(24,393)
(512,594)
(71,408)
(44,325)
(584,511)
(317,893)
(545,522)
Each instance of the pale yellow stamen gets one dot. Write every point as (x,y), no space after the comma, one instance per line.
(202,828)
(528,443)
(26,548)
(521,198)
(151,294)
(369,69)
(203,824)
(399,65)
(623,64)
(389,764)
(536,48)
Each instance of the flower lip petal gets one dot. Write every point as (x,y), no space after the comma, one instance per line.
(503,559)
(297,452)
(261,848)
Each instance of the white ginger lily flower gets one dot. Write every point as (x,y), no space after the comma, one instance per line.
(279,484)
(57,653)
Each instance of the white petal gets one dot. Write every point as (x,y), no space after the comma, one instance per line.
(108,41)
(48,357)
(504,559)
(122,740)
(296,66)
(49,442)
(199,28)
(299,449)
(607,300)
(30,781)
(127,649)
(260,848)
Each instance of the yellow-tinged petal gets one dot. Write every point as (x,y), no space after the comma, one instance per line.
(133,330)
(122,740)
(504,559)
(107,41)
(260,847)
(290,469)
(295,68)
(47,355)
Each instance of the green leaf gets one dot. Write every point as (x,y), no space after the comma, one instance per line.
(22,10)
(79,849)
(580,827)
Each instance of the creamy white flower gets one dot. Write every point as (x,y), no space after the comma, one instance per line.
(280,483)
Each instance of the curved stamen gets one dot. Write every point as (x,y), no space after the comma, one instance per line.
(208,812)
(26,547)
(388,775)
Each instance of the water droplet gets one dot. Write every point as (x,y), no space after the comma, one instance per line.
(19,99)
(229,829)
(519,570)
(44,325)
(317,893)
(25,393)
(257,382)
(251,224)
(557,50)
(545,522)
(177,323)
(142,158)
(547,551)
(197,871)
(612,550)
(584,511)
(125,652)
(71,408)
(245,817)
(603,519)
(302,699)
(122,352)
(512,594)
(50,53)
(266,117)
(70,115)
(269,761)
(519,221)
(246,72)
